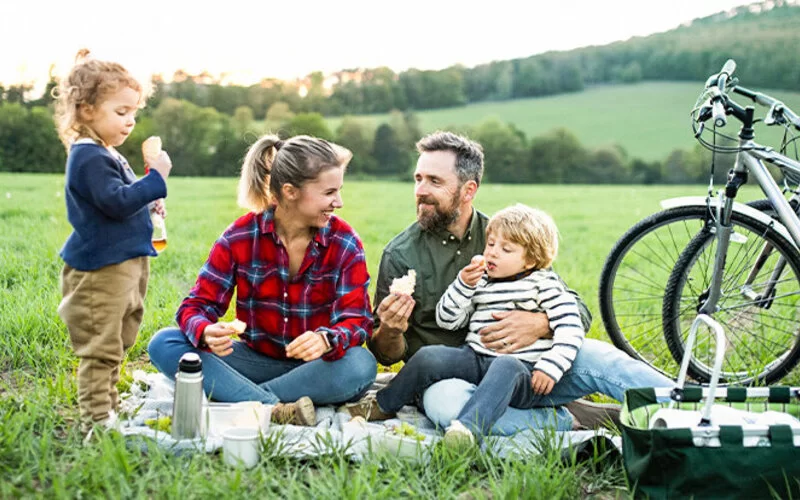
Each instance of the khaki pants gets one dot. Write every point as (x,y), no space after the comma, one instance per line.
(102,310)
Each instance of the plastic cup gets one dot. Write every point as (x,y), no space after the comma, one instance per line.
(241,447)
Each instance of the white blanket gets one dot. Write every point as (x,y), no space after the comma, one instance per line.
(152,393)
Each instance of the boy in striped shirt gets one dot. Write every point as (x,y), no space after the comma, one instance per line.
(513,274)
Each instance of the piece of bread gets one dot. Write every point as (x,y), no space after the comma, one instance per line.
(237,326)
(151,148)
(480,260)
(405,284)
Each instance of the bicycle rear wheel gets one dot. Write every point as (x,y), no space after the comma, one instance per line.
(759,308)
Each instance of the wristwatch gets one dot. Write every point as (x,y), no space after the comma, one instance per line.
(327,337)
(201,342)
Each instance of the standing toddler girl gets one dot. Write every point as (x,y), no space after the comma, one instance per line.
(106,265)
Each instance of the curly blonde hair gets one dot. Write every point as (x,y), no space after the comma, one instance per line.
(531,228)
(89,82)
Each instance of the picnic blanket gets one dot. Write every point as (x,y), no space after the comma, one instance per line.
(151,396)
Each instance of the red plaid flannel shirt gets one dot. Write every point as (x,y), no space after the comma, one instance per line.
(328,294)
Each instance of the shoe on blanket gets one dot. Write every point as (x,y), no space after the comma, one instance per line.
(457,437)
(367,408)
(589,416)
(301,412)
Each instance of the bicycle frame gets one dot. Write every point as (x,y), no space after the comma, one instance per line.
(751,158)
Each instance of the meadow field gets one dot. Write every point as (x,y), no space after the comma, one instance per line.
(40,445)
(649,120)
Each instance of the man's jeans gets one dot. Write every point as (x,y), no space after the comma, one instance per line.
(246,375)
(598,367)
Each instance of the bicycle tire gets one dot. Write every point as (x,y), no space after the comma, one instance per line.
(762,332)
(634,279)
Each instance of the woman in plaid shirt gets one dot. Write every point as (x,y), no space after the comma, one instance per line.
(301,281)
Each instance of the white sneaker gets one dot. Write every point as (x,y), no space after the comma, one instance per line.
(112,422)
(456,436)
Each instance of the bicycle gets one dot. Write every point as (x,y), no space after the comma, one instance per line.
(658,276)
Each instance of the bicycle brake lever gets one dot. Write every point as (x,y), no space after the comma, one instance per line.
(700,129)
(775,114)
(703,115)
(712,81)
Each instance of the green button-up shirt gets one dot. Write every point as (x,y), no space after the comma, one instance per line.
(437,256)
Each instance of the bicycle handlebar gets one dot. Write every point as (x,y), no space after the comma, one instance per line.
(721,105)
(777,108)
(718,112)
(719,97)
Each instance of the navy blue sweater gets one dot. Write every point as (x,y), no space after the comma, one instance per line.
(107,207)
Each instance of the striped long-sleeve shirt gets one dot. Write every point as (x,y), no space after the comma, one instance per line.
(539,291)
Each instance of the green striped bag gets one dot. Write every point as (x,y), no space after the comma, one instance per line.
(711,461)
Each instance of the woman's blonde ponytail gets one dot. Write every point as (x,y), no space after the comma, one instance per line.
(254,193)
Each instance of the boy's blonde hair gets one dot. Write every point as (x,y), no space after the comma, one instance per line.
(531,228)
(89,82)
(270,163)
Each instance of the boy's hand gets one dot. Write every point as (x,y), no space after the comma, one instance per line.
(472,272)
(541,383)
(161,164)
(218,338)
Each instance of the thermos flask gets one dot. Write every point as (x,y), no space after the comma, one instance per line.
(187,408)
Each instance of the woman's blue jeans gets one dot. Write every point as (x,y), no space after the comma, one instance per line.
(246,375)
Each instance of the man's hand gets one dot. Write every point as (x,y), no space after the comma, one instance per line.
(541,383)
(218,338)
(394,311)
(515,330)
(308,347)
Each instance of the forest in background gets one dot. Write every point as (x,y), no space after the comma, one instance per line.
(208,126)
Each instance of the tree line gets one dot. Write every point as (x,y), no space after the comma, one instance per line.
(757,41)
(205,142)
(762,43)
(207,126)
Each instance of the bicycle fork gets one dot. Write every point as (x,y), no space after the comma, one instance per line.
(724,233)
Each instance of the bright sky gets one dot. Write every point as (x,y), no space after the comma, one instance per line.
(255,39)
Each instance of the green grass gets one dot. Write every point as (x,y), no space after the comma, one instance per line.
(649,119)
(40,451)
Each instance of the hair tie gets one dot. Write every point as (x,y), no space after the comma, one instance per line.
(278,144)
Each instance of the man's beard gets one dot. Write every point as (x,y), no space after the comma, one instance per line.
(439,219)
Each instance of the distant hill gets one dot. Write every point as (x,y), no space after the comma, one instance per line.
(636,93)
(764,38)
(648,119)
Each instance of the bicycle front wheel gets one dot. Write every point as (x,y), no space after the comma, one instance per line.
(759,307)
(634,279)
